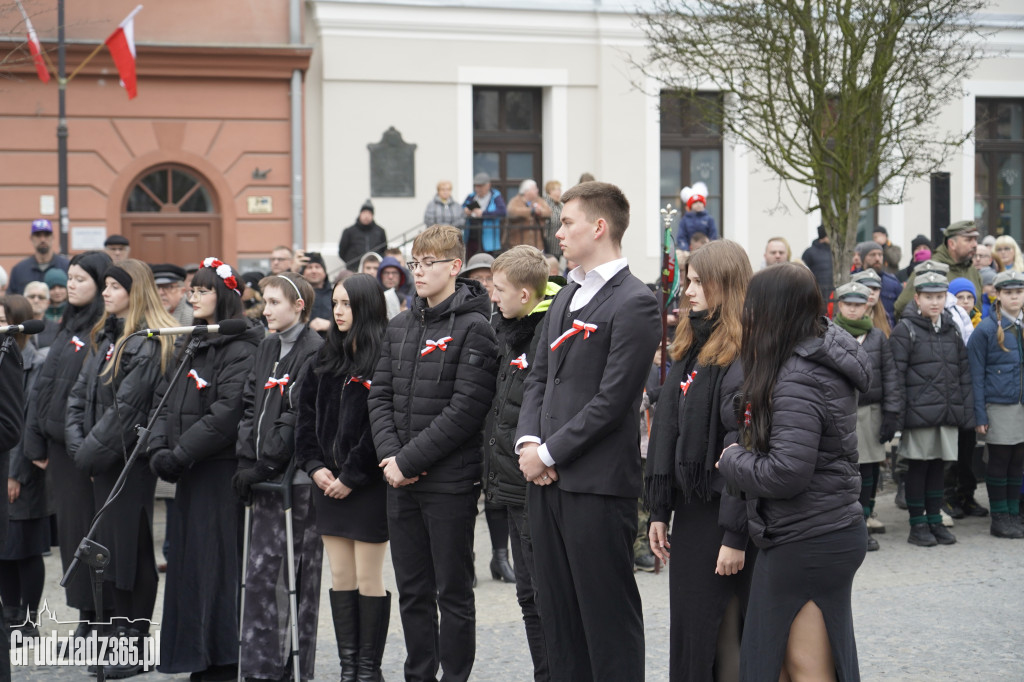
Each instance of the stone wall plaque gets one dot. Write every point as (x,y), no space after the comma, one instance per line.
(392,166)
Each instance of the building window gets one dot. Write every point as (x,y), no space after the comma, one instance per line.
(507,136)
(999,166)
(169,189)
(691,150)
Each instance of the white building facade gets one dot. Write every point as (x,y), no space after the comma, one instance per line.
(546,90)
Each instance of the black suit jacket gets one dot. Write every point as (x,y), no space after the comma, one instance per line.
(583,398)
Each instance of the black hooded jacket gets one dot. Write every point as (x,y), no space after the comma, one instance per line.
(432,388)
(357,239)
(201,417)
(808,483)
(266,433)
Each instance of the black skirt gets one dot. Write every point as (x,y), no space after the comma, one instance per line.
(26,539)
(71,498)
(361,516)
(786,577)
(121,524)
(698,596)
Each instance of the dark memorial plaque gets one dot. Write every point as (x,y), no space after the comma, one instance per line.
(392,166)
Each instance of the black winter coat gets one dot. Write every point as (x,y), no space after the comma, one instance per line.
(333,428)
(358,239)
(201,416)
(818,259)
(428,403)
(97,439)
(31,502)
(808,483)
(884,383)
(48,409)
(12,407)
(266,433)
(933,373)
(517,343)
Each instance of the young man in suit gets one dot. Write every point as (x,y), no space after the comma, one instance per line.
(578,445)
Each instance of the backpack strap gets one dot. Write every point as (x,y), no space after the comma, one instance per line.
(910,328)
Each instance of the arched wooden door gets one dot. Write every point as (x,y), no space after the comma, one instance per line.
(171,216)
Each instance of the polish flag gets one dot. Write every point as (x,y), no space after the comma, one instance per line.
(121,44)
(35,48)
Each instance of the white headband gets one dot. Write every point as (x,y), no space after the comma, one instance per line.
(289,280)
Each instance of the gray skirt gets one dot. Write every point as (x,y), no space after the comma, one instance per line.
(929,442)
(1005,424)
(869,424)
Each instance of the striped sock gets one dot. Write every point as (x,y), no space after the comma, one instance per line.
(997,494)
(1013,495)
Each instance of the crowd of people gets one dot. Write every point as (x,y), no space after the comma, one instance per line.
(389,399)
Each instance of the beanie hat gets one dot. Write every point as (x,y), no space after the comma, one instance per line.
(367,206)
(962,284)
(920,240)
(95,263)
(821,232)
(864,248)
(55,277)
(988,276)
(316,257)
(699,192)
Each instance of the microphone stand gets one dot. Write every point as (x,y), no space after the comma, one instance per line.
(5,348)
(95,555)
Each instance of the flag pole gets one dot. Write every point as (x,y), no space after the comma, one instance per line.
(86,61)
(62,131)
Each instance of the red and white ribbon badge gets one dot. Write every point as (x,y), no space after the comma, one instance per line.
(280,383)
(360,380)
(685,383)
(201,383)
(77,343)
(110,351)
(747,416)
(520,362)
(577,327)
(431,345)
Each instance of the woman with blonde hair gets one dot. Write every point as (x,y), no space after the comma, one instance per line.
(1007,252)
(113,393)
(710,577)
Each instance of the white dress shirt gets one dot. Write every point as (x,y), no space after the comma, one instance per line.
(590,283)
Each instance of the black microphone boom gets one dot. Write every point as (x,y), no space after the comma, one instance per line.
(226,328)
(29,327)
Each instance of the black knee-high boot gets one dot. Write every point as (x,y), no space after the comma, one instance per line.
(374,616)
(345,613)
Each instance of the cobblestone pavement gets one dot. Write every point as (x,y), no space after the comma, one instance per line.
(941,613)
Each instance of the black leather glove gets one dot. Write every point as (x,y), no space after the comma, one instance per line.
(247,476)
(167,465)
(890,424)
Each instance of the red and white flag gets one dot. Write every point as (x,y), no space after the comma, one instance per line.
(35,48)
(121,44)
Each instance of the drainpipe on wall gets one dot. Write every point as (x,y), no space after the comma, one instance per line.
(298,190)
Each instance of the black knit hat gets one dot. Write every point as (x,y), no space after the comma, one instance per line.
(920,240)
(119,275)
(95,263)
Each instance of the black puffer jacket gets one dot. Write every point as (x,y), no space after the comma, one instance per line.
(48,409)
(884,384)
(933,373)
(12,407)
(333,428)
(427,407)
(202,423)
(97,439)
(808,482)
(266,433)
(517,341)
(31,502)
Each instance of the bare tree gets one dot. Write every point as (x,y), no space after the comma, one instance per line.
(840,96)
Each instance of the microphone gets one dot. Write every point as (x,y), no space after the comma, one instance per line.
(227,328)
(29,327)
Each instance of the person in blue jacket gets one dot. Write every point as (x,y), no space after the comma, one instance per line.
(695,219)
(996,355)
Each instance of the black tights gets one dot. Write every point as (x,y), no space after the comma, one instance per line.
(21,582)
(868,486)
(1003,477)
(497,526)
(924,490)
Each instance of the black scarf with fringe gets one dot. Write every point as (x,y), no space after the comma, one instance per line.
(686,435)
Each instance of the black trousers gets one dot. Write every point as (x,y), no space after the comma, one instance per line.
(591,611)
(960,479)
(526,592)
(432,551)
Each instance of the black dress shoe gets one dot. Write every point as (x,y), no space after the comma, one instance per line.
(972,508)
(921,536)
(953,509)
(942,534)
(644,562)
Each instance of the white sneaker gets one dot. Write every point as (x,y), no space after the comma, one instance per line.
(947,520)
(874,525)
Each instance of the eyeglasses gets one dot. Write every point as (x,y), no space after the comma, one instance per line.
(38,297)
(414,265)
(199,292)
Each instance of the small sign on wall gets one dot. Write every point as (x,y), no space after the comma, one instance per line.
(257,205)
(47,206)
(87,238)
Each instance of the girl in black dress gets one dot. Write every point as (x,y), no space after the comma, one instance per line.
(334,445)
(68,487)
(796,465)
(266,445)
(114,392)
(709,577)
(193,445)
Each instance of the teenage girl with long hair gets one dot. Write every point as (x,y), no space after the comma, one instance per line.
(709,577)
(114,392)
(996,354)
(193,445)
(334,445)
(796,464)
(266,447)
